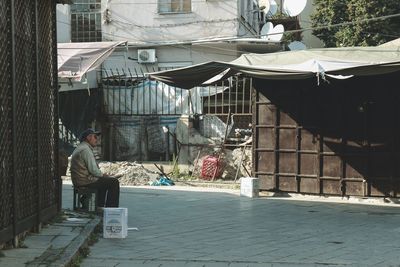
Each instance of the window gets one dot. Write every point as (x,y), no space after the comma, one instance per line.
(86,21)
(174,6)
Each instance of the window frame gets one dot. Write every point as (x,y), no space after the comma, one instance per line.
(166,7)
(86,22)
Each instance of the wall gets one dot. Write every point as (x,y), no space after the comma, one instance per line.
(149,29)
(140,21)
(170,57)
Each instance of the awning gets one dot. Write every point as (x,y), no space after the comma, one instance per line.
(332,62)
(393,43)
(76,59)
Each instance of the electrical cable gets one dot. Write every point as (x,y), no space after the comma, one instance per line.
(237,37)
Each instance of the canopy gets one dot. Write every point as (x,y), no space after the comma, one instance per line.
(393,43)
(76,59)
(332,62)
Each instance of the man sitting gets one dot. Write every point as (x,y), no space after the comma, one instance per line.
(86,173)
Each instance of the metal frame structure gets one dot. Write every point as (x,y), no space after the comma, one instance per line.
(121,86)
(30,187)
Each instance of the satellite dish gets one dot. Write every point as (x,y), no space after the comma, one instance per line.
(271,33)
(273,7)
(276,33)
(266,29)
(293,8)
(296,45)
(264,5)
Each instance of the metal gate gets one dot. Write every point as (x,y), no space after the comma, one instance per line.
(134,106)
(339,138)
(29,182)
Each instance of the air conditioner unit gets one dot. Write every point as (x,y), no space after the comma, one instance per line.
(147,55)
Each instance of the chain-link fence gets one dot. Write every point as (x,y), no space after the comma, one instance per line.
(29,181)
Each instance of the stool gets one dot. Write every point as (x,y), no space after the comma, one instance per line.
(85,199)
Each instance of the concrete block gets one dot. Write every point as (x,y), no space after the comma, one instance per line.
(115,223)
(249,187)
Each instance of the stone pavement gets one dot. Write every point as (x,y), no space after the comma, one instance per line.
(198,228)
(57,244)
(182,226)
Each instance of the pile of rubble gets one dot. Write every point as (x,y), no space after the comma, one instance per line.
(131,173)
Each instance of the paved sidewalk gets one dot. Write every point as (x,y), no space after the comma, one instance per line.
(57,244)
(209,229)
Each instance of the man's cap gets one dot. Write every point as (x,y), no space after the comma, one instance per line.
(88,132)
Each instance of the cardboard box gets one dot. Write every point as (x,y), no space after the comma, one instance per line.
(249,187)
(115,223)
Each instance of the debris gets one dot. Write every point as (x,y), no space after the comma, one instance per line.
(163,181)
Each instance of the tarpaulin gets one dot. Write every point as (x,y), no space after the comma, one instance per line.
(338,63)
(76,59)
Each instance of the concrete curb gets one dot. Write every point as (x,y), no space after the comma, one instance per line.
(72,251)
(56,255)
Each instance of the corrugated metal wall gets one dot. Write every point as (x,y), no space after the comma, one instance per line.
(339,138)
(29,182)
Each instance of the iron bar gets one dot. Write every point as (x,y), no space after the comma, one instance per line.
(229,98)
(144,91)
(209,100)
(119,91)
(181,102)
(175,99)
(250,95)
(215,98)
(243,93)
(113,95)
(131,90)
(14,121)
(223,97)
(38,162)
(162,98)
(137,94)
(168,99)
(156,98)
(149,91)
(126,88)
(236,94)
